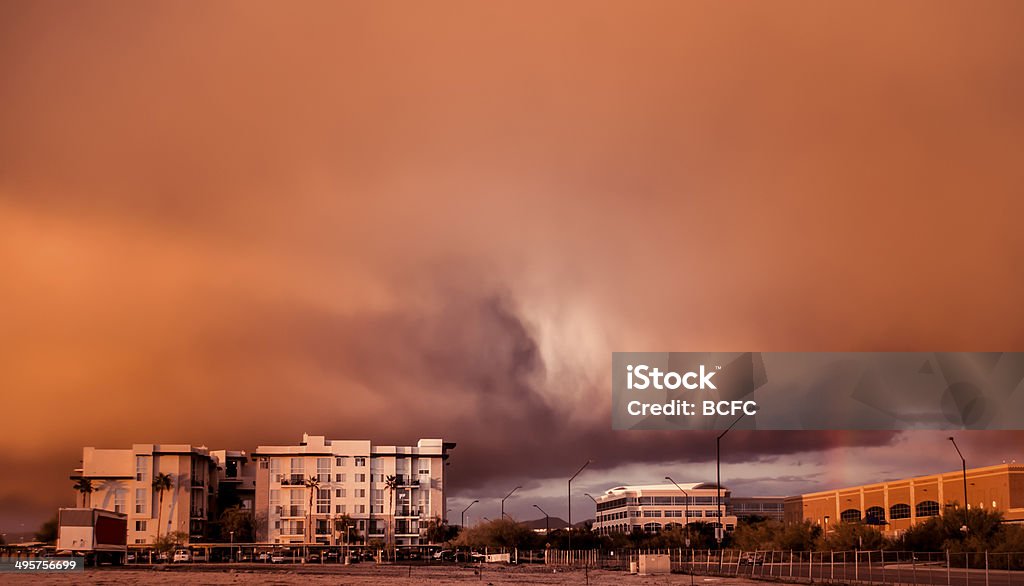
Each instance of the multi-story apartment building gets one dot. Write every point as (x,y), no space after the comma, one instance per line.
(656,506)
(236,479)
(122,481)
(337,491)
(896,505)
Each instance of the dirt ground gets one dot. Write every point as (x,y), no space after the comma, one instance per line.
(364,574)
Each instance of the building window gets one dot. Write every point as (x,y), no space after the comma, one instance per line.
(141,468)
(360,462)
(850,516)
(360,478)
(360,493)
(339,492)
(652,513)
(360,510)
(340,509)
(275,469)
(140,501)
(652,527)
(874,516)
(119,504)
(339,478)
(296,502)
(341,461)
(927,509)
(275,497)
(298,471)
(899,511)
(323,469)
(323,501)
(140,525)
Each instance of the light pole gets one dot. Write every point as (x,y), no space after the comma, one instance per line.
(686,504)
(570,499)
(233,556)
(547,520)
(503,501)
(595,504)
(720,533)
(963,462)
(463,526)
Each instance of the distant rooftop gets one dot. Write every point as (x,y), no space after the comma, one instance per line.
(640,488)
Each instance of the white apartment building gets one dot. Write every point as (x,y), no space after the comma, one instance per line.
(122,481)
(653,507)
(351,502)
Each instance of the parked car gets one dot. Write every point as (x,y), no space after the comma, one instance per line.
(277,558)
(752,559)
(182,555)
(444,555)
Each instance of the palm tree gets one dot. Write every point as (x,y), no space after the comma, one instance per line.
(390,484)
(162,483)
(312,483)
(84,486)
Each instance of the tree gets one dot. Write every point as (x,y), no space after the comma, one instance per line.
(439,532)
(845,536)
(772,534)
(168,543)
(238,524)
(162,483)
(313,484)
(48,532)
(503,533)
(84,486)
(390,485)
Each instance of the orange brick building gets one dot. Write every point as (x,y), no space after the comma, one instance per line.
(898,504)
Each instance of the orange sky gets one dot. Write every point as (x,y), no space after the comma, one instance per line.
(233,223)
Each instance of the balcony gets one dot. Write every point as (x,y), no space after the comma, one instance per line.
(406,481)
(293,511)
(293,480)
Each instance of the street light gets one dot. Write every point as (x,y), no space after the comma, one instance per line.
(463,526)
(503,501)
(595,503)
(686,502)
(232,533)
(686,524)
(720,533)
(963,462)
(547,520)
(570,499)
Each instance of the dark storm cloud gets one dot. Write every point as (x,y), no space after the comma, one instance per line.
(233,223)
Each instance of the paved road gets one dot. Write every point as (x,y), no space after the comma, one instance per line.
(888,574)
